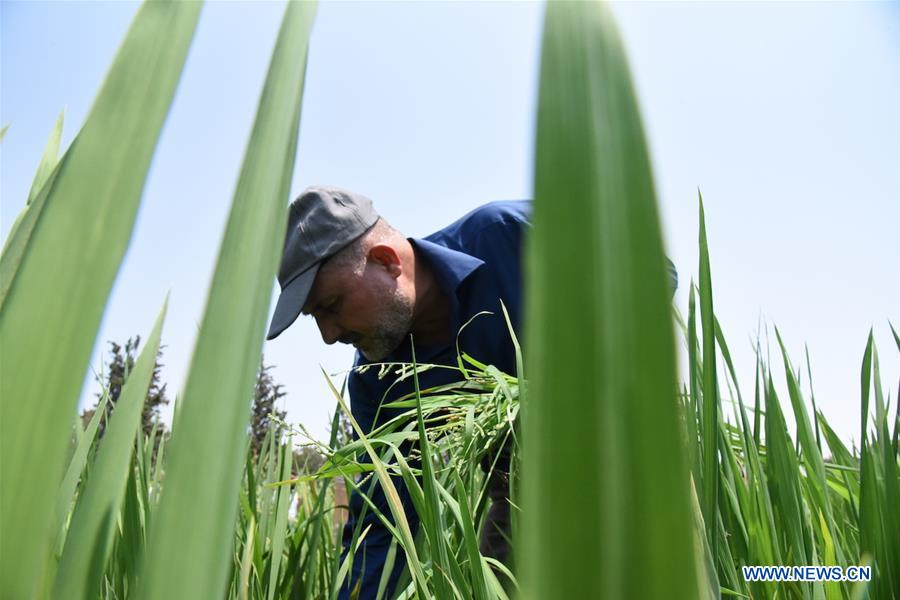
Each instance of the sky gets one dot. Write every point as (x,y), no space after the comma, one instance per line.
(783,115)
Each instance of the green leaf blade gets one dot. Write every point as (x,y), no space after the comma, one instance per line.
(84,228)
(206,454)
(709,424)
(602,416)
(21,229)
(90,536)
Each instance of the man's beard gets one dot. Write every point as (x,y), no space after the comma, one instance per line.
(391,329)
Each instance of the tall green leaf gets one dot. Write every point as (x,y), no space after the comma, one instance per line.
(16,240)
(431,517)
(709,423)
(48,159)
(281,515)
(865,381)
(694,445)
(602,417)
(401,531)
(784,479)
(812,457)
(812,399)
(75,469)
(91,532)
(50,316)
(207,447)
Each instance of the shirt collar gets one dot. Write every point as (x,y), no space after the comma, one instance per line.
(451,267)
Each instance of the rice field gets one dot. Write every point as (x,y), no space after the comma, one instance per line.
(627,483)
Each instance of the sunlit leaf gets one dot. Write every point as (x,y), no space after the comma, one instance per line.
(51,313)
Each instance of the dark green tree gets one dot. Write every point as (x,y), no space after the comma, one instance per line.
(120,366)
(265,414)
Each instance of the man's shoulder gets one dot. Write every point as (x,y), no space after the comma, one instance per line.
(499,211)
(470,226)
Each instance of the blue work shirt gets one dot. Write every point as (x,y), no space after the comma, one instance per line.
(477,261)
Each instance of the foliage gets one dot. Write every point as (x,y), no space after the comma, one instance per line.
(264,415)
(601,368)
(119,367)
(630,489)
(58,269)
(57,275)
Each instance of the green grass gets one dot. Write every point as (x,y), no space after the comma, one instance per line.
(627,484)
(207,445)
(59,287)
(601,419)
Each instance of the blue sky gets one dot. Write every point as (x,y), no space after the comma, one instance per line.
(784,115)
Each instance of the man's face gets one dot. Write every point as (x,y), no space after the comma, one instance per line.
(367,309)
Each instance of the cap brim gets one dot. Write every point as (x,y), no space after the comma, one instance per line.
(290,302)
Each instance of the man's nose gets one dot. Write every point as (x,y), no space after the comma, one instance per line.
(330,331)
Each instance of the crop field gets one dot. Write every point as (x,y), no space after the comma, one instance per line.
(659,488)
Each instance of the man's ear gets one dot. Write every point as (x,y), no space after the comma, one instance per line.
(386,256)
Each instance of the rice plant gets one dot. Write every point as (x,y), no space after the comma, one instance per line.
(626,484)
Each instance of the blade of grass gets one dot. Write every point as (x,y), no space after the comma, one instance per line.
(871,536)
(729,365)
(601,423)
(90,537)
(470,541)
(134,519)
(48,159)
(74,471)
(706,568)
(431,520)
(758,377)
(784,477)
(815,467)
(880,408)
(891,521)
(246,564)
(310,561)
(695,444)
(390,492)
(203,475)
(64,279)
(709,423)
(812,399)
(387,570)
(887,483)
(281,515)
(865,382)
(16,240)
(763,546)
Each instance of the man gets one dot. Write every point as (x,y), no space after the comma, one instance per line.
(368,285)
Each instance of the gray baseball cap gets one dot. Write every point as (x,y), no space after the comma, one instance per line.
(321,222)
